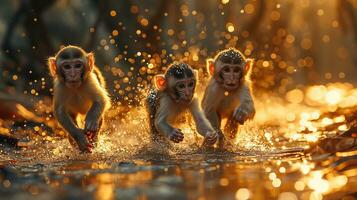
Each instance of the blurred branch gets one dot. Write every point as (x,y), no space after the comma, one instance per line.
(35,28)
(346,12)
(156,19)
(101,12)
(347,19)
(6,44)
(253,25)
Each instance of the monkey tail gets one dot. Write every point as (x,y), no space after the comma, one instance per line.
(98,74)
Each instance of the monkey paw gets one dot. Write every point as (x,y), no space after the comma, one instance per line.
(210,139)
(92,137)
(83,144)
(176,136)
(243,113)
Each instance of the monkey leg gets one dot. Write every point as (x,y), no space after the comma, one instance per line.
(153,131)
(231,128)
(221,139)
(156,137)
(151,104)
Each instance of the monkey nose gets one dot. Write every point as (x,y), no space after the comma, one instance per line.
(187,93)
(72,73)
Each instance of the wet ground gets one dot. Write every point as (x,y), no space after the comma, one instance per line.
(215,175)
(288,152)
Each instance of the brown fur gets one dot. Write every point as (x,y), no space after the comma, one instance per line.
(90,98)
(164,108)
(234,105)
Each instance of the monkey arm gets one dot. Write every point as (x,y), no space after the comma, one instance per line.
(100,103)
(161,123)
(213,118)
(69,125)
(94,115)
(246,98)
(210,103)
(202,124)
(164,127)
(246,109)
(66,121)
(96,111)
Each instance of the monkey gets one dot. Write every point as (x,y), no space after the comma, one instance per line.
(228,94)
(174,92)
(78,89)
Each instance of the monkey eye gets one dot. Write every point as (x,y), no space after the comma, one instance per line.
(226,69)
(190,84)
(236,70)
(67,66)
(181,85)
(78,65)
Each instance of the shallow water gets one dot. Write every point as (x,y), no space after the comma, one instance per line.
(153,173)
(210,175)
(287,152)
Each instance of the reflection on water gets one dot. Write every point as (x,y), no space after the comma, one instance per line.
(199,176)
(290,151)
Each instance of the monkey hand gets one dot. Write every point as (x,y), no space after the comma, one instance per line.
(176,135)
(82,142)
(210,139)
(91,136)
(244,112)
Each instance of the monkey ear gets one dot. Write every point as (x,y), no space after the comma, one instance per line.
(210,66)
(160,82)
(52,66)
(90,57)
(248,64)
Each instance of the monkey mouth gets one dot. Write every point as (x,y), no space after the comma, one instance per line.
(184,100)
(73,84)
(230,85)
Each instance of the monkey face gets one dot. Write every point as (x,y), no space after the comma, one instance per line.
(71,66)
(72,72)
(185,89)
(231,76)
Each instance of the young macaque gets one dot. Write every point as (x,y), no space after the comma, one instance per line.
(79,89)
(175,93)
(228,94)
